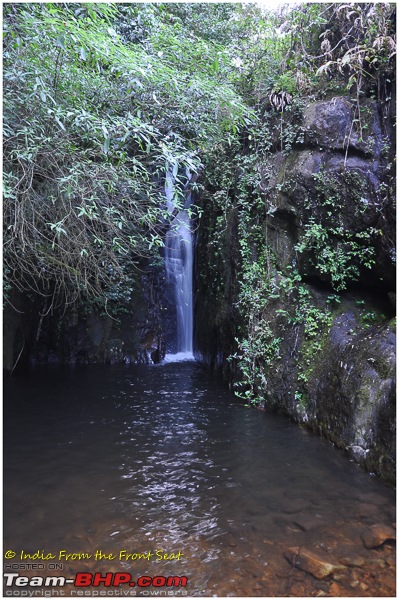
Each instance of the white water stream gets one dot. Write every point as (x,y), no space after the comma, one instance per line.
(179,271)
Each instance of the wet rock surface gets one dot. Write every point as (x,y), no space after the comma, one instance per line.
(330,125)
(378,534)
(317,564)
(329,184)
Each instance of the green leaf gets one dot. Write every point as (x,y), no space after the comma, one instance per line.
(106,145)
(60,42)
(59,123)
(83,54)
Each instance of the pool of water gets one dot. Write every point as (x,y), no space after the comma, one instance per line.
(163,462)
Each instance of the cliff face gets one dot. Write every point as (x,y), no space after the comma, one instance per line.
(86,334)
(321,345)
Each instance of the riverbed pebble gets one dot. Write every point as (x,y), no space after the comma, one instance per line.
(355,561)
(336,590)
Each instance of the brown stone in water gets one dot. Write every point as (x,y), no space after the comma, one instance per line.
(335,590)
(352,562)
(339,577)
(297,590)
(319,565)
(376,535)
(363,586)
(308,522)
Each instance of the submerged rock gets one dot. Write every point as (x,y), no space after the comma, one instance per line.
(317,564)
(376,535)
(357,561)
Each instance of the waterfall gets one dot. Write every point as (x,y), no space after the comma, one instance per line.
(179,270)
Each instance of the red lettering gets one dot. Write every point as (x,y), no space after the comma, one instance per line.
(82,579)
(105,579)
(144,581)
(121,578)
(116,579)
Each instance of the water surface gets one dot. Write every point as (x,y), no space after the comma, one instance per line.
(147,458)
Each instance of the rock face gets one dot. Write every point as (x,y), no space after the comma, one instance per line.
(88,334)
(330,219)
(330,125)
(351,390)
(20,326)
(335,178)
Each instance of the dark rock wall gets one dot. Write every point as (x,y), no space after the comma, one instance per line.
(352,391)
(216,315)
(334,183)
(349,192)
(132,331)
(20,323)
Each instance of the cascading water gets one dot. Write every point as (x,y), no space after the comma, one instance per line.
(179,270)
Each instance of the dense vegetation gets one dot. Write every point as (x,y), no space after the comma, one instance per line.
(320,53)
(102,100)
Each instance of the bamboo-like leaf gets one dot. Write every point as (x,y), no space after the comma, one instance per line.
(106,145)
(59,123)
(60,42)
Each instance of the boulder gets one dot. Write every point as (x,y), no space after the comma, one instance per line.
(334,125)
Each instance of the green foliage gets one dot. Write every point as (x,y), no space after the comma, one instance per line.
(366,46)
(368,318)
(286,82)
(350,45)
(102,100)
(93,121)
(335,252)
(258,349)
(258,345)
(316,323)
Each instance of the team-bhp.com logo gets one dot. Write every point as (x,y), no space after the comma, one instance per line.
(84,579)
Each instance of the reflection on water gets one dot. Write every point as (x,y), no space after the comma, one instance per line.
(139,459)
